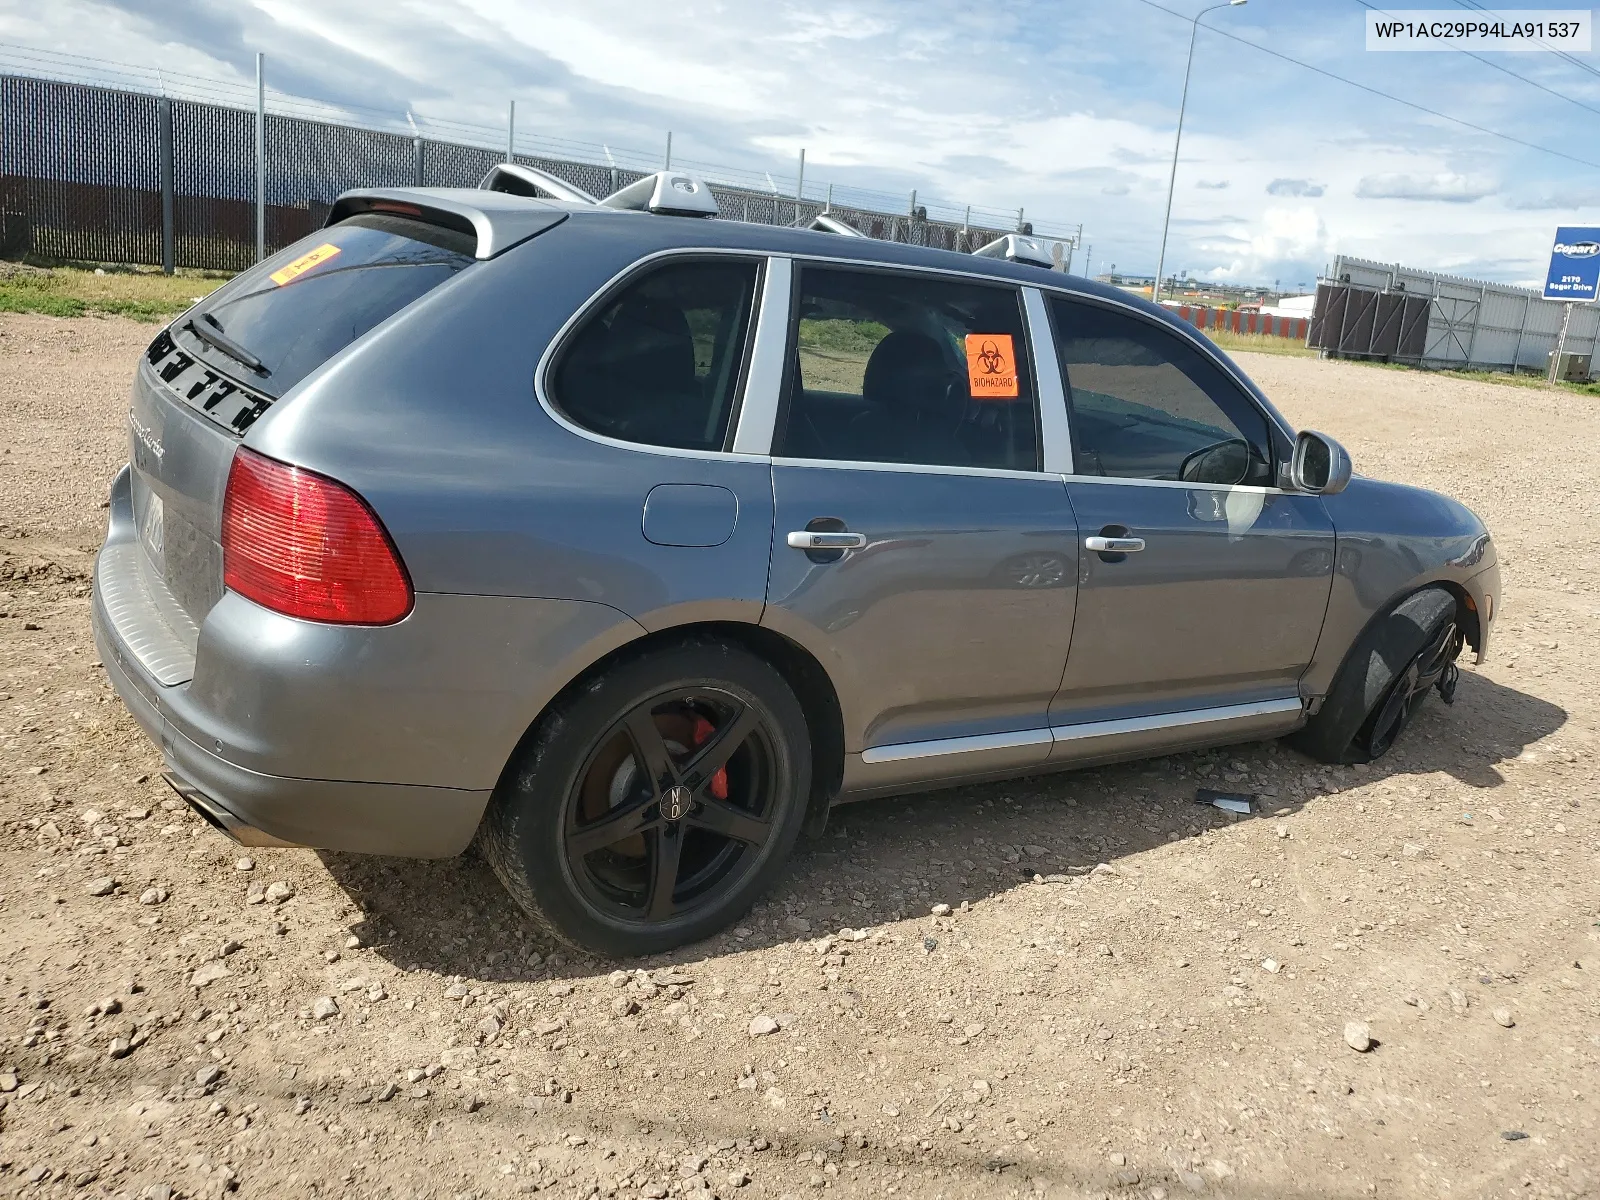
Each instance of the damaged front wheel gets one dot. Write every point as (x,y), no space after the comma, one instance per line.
(1385,679)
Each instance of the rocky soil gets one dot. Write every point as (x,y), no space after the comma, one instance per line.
(1385,984)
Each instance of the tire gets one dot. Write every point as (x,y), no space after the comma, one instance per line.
(1384,680)
(583,841)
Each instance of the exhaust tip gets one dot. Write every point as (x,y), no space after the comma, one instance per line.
(218,817)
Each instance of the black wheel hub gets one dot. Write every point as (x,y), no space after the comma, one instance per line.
(672,808)
(1434,666)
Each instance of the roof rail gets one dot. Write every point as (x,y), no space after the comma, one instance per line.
(519,180)
(1018,249)
(828,223)
(668,192)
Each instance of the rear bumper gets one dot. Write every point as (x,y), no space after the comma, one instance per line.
(385,740)
(258,809)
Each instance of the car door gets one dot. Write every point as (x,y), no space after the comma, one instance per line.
(920,550)
(1201,586)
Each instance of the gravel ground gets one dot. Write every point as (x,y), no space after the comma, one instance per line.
(1384,985)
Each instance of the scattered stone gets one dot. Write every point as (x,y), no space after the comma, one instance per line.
(208,1074)
(737,1179)
(489,1027)
(376,992)
(1502,1016)
(277,893)
(472,1103)
(941,910)
(208,973)
(103,886)
(244,864)
(302,1105)
(120,1048)
(389,1092)
(1358,1036)
(762,1026)
(155,895)
(561,989)
(352,942)
(1270,966)
(797,924)
(8,1081)
(1513,1135)
(324,1007)
(457,991)
(231,946)
(1119,1159)
(1458,999)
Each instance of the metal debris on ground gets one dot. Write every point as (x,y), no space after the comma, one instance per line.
(1234,802)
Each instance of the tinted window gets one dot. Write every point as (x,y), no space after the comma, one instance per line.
(660,362)
(909,369)
(302,306)
(1146,405)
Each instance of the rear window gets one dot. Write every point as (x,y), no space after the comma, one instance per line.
(283,319)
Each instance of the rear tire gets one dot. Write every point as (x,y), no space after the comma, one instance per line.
(652,806)
(1384,680)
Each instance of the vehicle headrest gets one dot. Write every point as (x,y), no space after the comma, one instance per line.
(907,372)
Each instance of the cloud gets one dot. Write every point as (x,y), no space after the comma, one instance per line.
(1446,186)
(1295,187)
(1212,185)
(1115,189)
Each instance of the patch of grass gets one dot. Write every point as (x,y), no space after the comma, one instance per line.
(76,290)
(1258,343)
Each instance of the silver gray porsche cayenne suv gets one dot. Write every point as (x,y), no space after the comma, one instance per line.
(627,542)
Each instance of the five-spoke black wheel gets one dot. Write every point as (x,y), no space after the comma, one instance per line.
(1385,678)
(651,808)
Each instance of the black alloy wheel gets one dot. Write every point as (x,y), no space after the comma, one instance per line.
(1434,666)
(673,806)
(652,804)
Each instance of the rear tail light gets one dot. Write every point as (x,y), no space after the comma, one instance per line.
(305,546)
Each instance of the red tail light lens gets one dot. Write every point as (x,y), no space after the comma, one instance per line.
(305,546)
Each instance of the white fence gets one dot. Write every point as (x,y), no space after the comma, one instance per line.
(1477,324)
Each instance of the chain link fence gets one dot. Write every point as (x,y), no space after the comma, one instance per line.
(101,175)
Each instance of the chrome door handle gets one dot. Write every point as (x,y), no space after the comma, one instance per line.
(1114,545)
(805,539)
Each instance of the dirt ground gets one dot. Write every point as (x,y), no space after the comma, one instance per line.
(1131,996)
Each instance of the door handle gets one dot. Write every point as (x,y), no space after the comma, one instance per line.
(806,539)
(1113,545)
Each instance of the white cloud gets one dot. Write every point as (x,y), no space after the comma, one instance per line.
(1446,186)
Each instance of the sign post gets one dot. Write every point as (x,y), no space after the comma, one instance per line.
(1574,276)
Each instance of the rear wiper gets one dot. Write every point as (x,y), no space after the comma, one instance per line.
(211,333)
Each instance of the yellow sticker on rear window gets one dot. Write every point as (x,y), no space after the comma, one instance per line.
(991,366)
(304,263)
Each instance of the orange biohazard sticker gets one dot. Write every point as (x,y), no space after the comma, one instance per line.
(991,366)
(314,258)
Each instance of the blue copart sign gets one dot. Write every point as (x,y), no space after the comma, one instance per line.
(1574,264)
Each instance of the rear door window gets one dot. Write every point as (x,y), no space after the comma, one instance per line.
(910,368)
(660,362)
(283,319)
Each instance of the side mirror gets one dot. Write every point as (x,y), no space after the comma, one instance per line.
(1321,466)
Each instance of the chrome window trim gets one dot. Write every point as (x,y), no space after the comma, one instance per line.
(1043,285)
(541,372)
(1083,731)
(844,464)
(1055,434)
(763,383)
(900,752)
(1179,483)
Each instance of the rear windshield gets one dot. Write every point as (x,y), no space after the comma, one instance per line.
(283,319)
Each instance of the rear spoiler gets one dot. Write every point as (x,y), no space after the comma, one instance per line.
(498,222)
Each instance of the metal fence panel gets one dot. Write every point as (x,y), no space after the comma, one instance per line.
(81,172)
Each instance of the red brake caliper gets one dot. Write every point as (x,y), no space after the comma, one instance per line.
(703,729)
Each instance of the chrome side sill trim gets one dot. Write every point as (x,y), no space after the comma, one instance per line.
(901,751)
(956,745)
(1177,720)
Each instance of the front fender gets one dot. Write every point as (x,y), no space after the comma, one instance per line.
(1390,540)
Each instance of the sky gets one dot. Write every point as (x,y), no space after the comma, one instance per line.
(1064,108)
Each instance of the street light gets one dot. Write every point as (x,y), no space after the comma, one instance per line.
(1194,32)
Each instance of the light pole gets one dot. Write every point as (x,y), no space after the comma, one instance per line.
(1172,179)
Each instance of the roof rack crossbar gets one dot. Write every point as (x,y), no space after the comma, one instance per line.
(828,223)
(519,180)
(1015,248)
(668,192)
